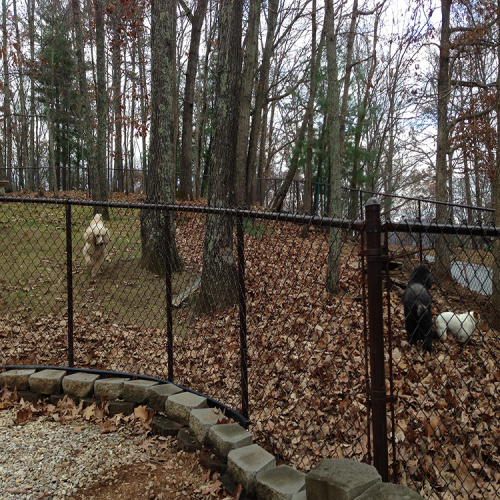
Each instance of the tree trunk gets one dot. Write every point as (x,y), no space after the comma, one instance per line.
(117,99)
(272,20)
(84,93)
(161,176)
(441,269)
(495,296)
(98,170)
(310,126)
(7,174)
(249,64)
(186,163)
(280,195)
(22,98)
(334,148)
(33,174)
(219,285)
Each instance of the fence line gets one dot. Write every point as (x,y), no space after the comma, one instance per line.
(328,334)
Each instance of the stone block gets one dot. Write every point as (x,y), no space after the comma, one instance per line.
(29,396)
(163,426)
(47,381)
(301,495)
(281,483)
(243,465)
(137,390)
(186,441)
(340,479)
(178,407)
(109,388)
(386,491)
(158,395)
(227,437)
(123,407)
(16,378)
(80,385)
(201,420)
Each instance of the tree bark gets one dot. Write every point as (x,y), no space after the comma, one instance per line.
(262,88)
(22,98)
(310,125)
(219,285)
(98,170)
(334,148)
(495,296)
(249,64)
(441,269)
(186,163)
(7,174)
(117,176)
(161,177)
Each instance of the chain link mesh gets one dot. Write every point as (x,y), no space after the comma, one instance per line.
(307,356)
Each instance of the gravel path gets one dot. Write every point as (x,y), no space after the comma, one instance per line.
(43,459)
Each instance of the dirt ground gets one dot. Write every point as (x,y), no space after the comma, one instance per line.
(169,476)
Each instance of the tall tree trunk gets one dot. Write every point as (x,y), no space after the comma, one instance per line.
(130,183)
(117,98)
(280,195)
(100,178)
(441,269)
(161,176)
(219,285)
(247,85)
(334,148)
(7,98)
(85,106)
(310,125)
(22,98)
(33,174)
(186,164)
(495,296)
(262,88)
(356,176)
(144,106)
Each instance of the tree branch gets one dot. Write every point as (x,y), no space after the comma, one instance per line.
(472,116)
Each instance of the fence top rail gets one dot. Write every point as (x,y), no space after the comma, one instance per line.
(395,196)
(310,220)
(435,228)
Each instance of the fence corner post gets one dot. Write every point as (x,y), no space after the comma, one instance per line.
(378,396)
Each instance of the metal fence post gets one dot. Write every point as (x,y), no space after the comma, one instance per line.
(240,237)
(376,332)
(69,282)
(168,297)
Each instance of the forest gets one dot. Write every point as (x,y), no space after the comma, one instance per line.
(393,97)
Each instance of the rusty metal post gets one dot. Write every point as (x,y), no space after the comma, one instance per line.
(376,334)
(240,243)
(69,279)
(168,297)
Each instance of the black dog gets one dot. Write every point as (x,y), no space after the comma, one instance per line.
(417,306)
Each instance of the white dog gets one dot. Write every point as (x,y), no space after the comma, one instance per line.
(460,325)
(96,239)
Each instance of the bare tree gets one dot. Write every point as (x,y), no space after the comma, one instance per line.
(99,179)
(161,176)
(219,288)
(186,167)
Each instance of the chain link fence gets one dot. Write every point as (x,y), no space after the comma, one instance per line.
(288,354)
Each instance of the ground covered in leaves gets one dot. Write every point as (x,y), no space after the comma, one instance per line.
(307,358)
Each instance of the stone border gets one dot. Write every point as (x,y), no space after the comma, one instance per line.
(189,416)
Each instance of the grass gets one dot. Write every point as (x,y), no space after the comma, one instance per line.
(34,269)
